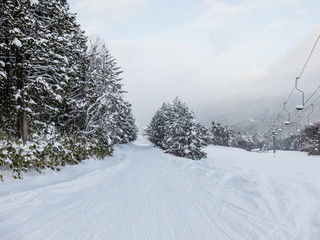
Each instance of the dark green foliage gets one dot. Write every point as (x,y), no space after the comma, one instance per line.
(310,139)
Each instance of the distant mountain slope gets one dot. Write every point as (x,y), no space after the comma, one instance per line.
(247,115)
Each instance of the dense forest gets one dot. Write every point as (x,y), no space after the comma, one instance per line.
(61,95)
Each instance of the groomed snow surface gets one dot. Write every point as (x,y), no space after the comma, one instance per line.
(142,193)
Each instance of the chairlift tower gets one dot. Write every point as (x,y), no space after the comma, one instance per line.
(274,133)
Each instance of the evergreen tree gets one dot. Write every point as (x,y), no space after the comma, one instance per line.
(49,66)
(220,134)
(245,141)
(16,48)
(223,136)
(41,47)
(290,143)
(126,124)
(156,130)
(68,52)
(51,85)
(205,133)
(173,128)
(310,139)
(101,110)
(259,141)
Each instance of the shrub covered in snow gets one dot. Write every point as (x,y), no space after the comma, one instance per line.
(173,128)
(40,154)
(310,139)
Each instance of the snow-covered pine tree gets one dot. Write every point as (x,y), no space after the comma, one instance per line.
(40,51)
(49,65)
(205,133)
(106,115)
(127,129)
(290,143)
(156,130)
(245,141)
(47,88)
(173,128)
(6,67)
(259,141)
(223,136)
(93,101)
(220,134)
(68,50)
(183,136)
(17,43)
(310,139)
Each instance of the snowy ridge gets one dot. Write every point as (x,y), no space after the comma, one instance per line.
(143,193)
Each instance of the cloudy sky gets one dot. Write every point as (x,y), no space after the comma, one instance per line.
(206,50)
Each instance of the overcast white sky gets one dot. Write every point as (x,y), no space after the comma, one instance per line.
(206,50)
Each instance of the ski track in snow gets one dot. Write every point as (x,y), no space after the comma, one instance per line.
(142,193)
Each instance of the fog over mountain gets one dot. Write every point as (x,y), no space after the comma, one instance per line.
(247,115)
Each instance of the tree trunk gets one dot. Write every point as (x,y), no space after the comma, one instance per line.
(22,114)
(24,126)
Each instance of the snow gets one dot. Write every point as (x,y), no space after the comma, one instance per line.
(17,95)
(299,107)
(16,42)
(143,193)
(34,2)
(3,74)
(16,30)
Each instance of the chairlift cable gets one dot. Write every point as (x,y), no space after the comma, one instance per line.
(313,94)
(314,46)
(316,99)
(307,108)
(302,71)
(293,115)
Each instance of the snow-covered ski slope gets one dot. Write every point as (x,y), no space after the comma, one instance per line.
(142,193)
